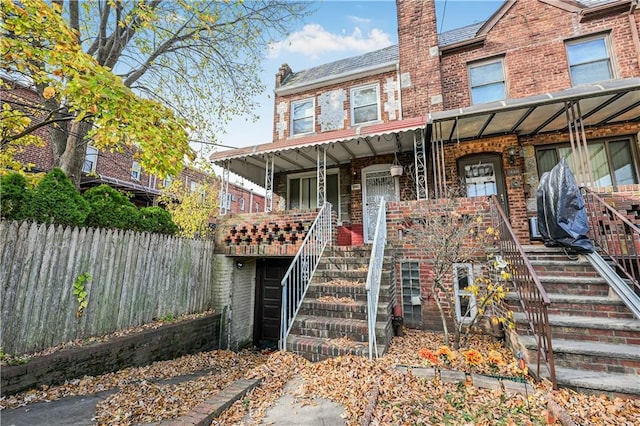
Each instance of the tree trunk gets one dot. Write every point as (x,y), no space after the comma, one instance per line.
(443,317)
(69,150)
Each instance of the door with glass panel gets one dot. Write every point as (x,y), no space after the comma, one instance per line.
(378,185)
(482,176)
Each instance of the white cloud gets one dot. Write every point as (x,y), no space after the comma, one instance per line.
(359,20)
(314,41)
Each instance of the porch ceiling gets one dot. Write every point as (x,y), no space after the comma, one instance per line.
(600,104)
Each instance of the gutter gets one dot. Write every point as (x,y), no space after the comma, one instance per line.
(605,9)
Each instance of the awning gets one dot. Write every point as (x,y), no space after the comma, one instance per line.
(300,153)
(602,104)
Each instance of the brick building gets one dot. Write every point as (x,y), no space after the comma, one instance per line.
(119,169)
(490,106)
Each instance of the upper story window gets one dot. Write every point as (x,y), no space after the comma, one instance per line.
(302,116)
(589,60)
(365,104)
(487,81)
(166,183)
(242,204)
(90,160)
(136,171)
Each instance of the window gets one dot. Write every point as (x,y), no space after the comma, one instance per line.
(411,300)
(136,171)
(612,161)
(227,202)
(302,117)
(465,300)
(589,60)
(487,81)
(257,207)
(90,160)
(364,104)
(242,204)
(303,190)
(166,183)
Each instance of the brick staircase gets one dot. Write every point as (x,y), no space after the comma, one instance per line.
(332,320)
(595,338)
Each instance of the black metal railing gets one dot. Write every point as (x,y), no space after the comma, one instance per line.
(615,235)
(533,298)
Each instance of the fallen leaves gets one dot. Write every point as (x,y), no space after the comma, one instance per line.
(334,299)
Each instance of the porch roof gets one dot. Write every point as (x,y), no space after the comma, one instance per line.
(600,104)
(605,103)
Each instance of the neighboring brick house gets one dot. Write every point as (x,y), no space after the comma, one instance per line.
(492,106)
(120,170)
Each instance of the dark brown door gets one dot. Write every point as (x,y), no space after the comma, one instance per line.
(270,272)
(482,175)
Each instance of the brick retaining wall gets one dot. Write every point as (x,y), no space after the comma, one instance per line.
(139,349)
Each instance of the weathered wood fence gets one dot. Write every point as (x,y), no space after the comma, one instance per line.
(135,277)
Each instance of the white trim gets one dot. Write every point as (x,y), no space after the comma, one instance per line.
(482,63)
(363,173)
(136,171)
(458,293)
(608,47)
(313,116)
(330,171)
(375,85)
(93,159)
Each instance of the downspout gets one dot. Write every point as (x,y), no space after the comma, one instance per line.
(399,90)
(251,201)
(634,30)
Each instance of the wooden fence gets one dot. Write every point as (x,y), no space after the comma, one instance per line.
(135,277)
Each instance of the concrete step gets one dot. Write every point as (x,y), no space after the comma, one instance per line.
(585,328)
(576,268)
(584,286)
(354,290)
(595,382)
(592,356)
(595,306)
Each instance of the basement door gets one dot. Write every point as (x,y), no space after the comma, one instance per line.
(269,274)
(378,185)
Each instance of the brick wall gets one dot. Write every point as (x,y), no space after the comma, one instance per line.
(380,79)
(533,47)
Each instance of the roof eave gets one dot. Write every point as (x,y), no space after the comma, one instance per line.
(463,44)
(337,78)
(607,8)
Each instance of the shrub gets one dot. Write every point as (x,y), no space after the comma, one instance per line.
(13,196)
(156,219)
(110,208)
(56,200)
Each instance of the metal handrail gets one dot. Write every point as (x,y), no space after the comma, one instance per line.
(374,276)
(616,235)
(298,277)
(532,295)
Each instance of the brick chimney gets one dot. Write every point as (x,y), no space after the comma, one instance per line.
(419,58)
(282,74)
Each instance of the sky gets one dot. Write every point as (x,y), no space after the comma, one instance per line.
(340,29)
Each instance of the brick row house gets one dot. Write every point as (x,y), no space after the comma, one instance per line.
(491,107)
(121,171)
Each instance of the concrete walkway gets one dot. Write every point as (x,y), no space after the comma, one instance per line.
(80,410)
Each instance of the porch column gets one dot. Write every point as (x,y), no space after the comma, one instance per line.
(437,158)
(224,188)
(580,150)
(268,183)
(322,176)
(420,166)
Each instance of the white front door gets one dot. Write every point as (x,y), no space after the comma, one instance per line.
(378,184)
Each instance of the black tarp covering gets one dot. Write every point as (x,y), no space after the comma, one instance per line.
(562,219)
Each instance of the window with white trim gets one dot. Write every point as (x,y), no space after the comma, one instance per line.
(90,159)
(411,298)
(302,190)
(166,183)
(302,116)
(136,171)
(589,60)
(227,202)
(242,204)
(365,104)
(487,81)
(465,300)
(257,206)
